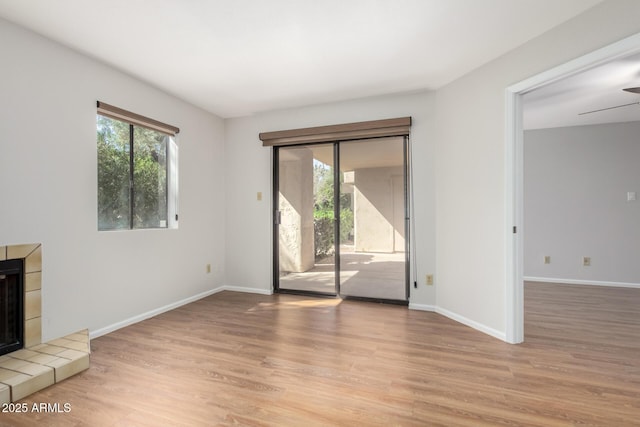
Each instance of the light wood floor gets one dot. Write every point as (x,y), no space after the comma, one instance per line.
(243,359)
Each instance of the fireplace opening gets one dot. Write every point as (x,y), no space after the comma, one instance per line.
(11,305)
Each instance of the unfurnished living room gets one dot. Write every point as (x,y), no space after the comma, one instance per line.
(331,213)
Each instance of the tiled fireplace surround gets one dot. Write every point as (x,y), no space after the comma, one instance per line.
(38,365)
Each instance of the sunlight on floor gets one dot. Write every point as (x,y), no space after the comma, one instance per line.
(315,302)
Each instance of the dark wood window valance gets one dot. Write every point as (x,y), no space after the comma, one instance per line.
(348,131)
(135,119)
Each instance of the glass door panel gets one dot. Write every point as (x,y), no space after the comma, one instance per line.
(305,233)
(372,219)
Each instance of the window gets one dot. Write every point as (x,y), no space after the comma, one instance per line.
(137,162)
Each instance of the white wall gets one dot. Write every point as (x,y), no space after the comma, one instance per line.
(576,184)
(249,240)
(48,176)
(470,162)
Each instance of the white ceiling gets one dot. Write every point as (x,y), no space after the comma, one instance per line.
(238,57)
(560,103)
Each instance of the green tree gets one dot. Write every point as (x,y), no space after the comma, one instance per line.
(114,176)
(323,213)
(149,178)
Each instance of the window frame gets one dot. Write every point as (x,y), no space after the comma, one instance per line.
(171,164)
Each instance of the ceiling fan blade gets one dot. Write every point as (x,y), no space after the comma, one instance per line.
(609,108)
(632,89)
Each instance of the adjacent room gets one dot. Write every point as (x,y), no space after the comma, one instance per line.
(582,234)
(318,212)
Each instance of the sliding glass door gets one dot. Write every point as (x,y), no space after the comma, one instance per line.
(340,219)
(304,219)
(372,246)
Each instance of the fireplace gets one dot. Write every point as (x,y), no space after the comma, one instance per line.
(11,305)
(31,365)
(28,257)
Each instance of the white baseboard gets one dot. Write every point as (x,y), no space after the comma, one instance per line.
(582,282)
(149,314)
(135,319)
(460,319)
(422,307)
(472,323)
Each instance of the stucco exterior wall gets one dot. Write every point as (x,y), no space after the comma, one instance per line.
(296,207)
(376,227)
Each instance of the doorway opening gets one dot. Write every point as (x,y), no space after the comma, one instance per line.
(515,171)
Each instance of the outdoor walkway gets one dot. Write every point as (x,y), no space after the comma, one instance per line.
(363,274)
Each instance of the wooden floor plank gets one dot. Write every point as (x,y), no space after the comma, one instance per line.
(256,360)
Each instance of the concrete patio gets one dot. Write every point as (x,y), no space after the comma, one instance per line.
(363,274)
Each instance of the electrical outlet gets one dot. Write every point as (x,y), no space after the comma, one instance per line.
(586,261)
(259,196)
(429,279)
(208,268)
(547,259)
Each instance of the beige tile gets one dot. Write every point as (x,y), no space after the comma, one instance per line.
(32,332)
(33,281)
(58,363)
(82,336)
(22,384)
(66,370)
(10,377)
(23,354)
(60,342)
(43,359)
(71,354)
(3,253)
(31,385)
(37,347)
(21,251)
(49,349)
(33,369)
(80,346)
(74,345)
(33,262)
(13,364)
(32,304)
(5,394)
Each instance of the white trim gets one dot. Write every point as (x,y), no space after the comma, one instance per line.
(471,323)
(514,301)
(514,182)
(173,199)
(422,307)
(582,282)
(149,314)
(621,48)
